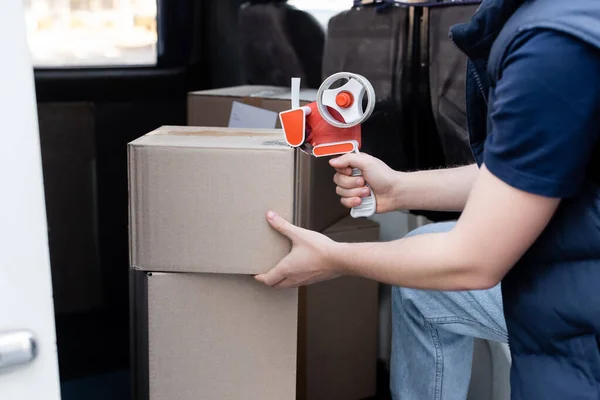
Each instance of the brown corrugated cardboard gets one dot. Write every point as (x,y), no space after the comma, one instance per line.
(220,337)
(341,339)
(341,327)
(217,336)
(198,198)
(350,230)
(213,107)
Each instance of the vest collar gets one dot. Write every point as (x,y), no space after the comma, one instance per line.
(475,38)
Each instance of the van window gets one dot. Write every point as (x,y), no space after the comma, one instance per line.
(91,33)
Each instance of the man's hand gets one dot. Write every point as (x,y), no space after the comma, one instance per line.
(496,228)
(383,180)
(309,261)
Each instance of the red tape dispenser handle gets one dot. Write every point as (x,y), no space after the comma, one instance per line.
(331,125)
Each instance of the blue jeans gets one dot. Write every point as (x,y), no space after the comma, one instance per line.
(432,336)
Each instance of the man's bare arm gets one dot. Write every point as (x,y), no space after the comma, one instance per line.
(497,226)
(436,190)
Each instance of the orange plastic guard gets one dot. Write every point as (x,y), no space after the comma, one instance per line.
(333,149)
(293,124)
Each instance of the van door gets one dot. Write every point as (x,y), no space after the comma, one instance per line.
(28,358)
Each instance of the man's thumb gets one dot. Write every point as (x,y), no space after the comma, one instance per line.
(351,160)
(281,225)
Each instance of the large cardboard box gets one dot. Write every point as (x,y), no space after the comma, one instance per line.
(223,336)
(198,198)
(214,107)
(213,336)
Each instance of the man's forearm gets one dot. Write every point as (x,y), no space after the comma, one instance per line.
(436,190)
(436,261)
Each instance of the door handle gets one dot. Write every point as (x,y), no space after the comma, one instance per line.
(16,348)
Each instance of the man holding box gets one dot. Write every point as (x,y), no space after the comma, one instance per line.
(530,216)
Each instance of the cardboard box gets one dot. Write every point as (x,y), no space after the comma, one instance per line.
(222,336)
(214,336)
(341,323)
(214,107)
(198,198)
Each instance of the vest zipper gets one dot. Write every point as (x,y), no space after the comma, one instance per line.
(479,84)
(473,70)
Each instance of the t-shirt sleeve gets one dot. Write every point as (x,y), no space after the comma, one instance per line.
(544,114)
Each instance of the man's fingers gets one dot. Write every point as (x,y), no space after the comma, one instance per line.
(344,171)
(350,202)
(348,193)
(285,284)
(277,274)
(271,278)
(350,160)
(348,182)
(281,225)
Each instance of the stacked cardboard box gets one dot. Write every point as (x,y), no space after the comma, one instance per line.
(225,336)
(340,326)
(231,106)
(203,327)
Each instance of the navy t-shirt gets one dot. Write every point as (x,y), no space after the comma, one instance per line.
(545,114)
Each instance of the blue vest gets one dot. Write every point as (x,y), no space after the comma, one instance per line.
(552,296)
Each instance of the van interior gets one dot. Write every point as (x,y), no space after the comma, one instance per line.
(110,71)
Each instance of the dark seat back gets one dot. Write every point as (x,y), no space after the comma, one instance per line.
(447,74)
(372,42)
(418,75)
(279,42)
